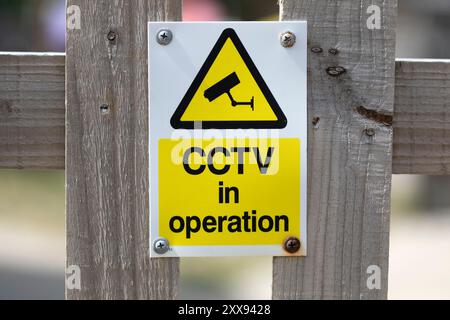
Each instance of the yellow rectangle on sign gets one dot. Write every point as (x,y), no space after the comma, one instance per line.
(229,192)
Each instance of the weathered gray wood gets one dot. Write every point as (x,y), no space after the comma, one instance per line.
(32,111)
(422,117)
(349,172)
(32,90)
(107,152)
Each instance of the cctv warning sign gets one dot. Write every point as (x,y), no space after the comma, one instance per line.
(227,139)
(229,92)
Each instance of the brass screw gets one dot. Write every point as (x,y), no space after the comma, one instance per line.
(292,245)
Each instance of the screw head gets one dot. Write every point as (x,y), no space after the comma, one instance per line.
(292,245)
(164,37)
(287,39)
(161,246)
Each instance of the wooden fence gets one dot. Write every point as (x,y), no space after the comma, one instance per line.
(86,112)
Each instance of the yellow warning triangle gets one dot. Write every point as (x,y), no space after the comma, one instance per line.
(229,92)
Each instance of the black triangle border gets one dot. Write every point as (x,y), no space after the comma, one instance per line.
(281,121)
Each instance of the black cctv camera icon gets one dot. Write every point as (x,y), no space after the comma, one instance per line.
(224,86)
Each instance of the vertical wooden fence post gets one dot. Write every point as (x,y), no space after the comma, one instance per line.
(107,152)
(350,154)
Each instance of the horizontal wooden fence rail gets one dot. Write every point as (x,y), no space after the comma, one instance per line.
(32,111)
(32,114)
(422,117)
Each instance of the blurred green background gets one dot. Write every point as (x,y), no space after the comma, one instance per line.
(32,239)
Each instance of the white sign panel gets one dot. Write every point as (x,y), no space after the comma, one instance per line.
(228,138)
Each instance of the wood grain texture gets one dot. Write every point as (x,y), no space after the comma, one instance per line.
(107,152)
(349,172)
(422,117)
(32,111)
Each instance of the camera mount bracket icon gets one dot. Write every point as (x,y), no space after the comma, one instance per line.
(224,86)
(229,92)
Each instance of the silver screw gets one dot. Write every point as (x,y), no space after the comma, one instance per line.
(287,39)
(161,246)
(164,37)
